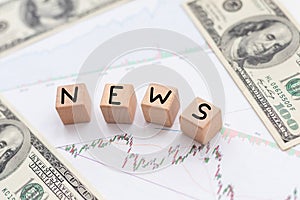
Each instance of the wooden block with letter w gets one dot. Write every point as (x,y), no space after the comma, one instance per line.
(161,104)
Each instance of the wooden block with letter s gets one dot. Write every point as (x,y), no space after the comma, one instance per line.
(118,103)
(161,104)
(73,103)
(201,120)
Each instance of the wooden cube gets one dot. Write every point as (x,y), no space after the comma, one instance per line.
(118,103)
(201,120)
(73,103)
(160,104)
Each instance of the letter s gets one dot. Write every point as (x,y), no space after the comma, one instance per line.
(202,111)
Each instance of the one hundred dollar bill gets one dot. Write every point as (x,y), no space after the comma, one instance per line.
(30,169)
(25,21)
(258,43)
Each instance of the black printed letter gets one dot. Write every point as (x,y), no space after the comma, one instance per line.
(162,101)
(114,94)
(201,111)
(64,92)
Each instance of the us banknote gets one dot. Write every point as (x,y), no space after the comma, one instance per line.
(258,43)
(32,170)
(25,21)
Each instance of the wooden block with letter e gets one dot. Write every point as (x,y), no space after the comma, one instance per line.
(73,103)
(201,120)
(160,104)
(118,103)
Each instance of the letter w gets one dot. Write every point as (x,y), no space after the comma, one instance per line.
(162,100)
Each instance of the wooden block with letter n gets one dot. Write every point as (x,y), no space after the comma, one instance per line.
(118,103)
(73,103)
(160,104)
(201,120)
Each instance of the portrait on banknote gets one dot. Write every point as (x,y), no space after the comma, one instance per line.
(43,15)
(14,146)
(260,42)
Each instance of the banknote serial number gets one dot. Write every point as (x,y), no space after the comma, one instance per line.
(8,194)
(283,97)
